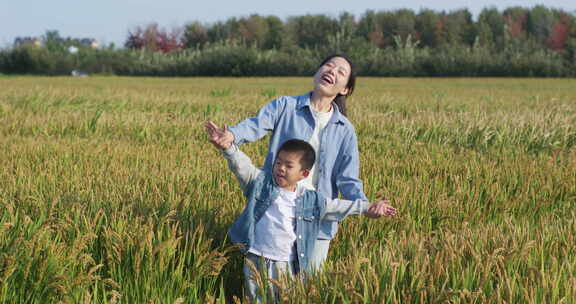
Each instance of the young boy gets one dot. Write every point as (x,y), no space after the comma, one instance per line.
(279,226)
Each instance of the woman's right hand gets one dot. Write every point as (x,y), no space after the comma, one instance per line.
(221,138)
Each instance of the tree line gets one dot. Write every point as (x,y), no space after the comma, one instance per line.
(550,28)
(517,41)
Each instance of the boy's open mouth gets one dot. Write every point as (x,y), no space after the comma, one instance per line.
(279,178)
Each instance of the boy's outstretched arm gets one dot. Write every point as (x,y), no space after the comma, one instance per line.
(238,162)
(219,137)
(380,208)
(338,209)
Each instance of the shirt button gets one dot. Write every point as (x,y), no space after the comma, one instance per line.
(299,217)
(300,236)
(302,255)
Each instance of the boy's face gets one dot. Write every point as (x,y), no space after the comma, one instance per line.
(288,170)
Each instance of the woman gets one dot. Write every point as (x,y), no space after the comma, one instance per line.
(318,117)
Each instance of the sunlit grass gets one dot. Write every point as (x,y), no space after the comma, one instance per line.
(110,192)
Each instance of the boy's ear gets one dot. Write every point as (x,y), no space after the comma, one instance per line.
(305,173)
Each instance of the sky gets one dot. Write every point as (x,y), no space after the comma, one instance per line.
(108,21)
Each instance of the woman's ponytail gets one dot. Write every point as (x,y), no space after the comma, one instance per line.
(340,101)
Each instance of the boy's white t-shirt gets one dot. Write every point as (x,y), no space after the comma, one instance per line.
(275,232)
(321,119)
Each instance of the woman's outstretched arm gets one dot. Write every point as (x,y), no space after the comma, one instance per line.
(254,128)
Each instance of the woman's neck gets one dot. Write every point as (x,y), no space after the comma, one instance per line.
(321,103)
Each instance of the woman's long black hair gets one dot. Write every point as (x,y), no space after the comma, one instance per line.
(340,100)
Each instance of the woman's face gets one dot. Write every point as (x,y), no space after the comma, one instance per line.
(332,77)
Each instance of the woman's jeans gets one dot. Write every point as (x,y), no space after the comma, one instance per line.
(319,254)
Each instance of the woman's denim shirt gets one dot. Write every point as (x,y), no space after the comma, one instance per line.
(338,163)
(261,191)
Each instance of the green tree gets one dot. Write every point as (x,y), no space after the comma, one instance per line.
(426,22)
(491,26)
(253,30)
(224,31)
(52,41)
(370,29)
(388,26)
(539,23)
(344,38)
(571,42)
(312,31)
(385,25)
(405,24)
(275,33)
(195,35)
(459,27)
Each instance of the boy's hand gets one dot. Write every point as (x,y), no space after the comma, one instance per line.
(220,138)
(379,209)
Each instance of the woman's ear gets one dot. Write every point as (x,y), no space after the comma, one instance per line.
(344,91)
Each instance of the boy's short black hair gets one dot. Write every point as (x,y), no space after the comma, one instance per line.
(298,145)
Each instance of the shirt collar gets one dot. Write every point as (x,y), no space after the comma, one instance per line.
(304,102)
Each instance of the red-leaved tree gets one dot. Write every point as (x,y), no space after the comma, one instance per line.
(155,39)
(557,39)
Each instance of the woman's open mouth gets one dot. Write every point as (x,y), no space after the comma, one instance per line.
(327,78)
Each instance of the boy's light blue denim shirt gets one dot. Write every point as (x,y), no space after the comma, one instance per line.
(338,163)
(261,191)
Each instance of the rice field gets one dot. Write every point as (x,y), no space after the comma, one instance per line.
(110,192)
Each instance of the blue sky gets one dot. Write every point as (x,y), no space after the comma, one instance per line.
(109,20)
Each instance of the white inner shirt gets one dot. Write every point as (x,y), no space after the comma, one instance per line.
(275,232)
(321,119)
